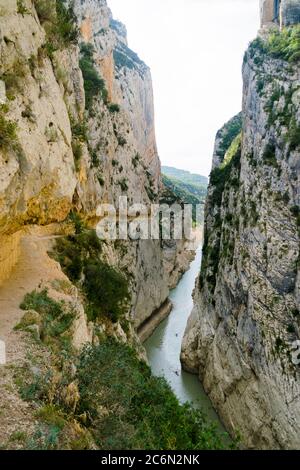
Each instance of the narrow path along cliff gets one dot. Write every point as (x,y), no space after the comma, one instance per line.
(33,270)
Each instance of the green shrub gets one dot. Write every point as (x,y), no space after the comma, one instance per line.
(57,317)
(269,155)
(293,136)
(79,135)
(14,78)
(123,184)
(74,250)
(75,218)
(291,328)
(79,130)
(136,160)
(284,44)
(51,414)
(77,152)
(142,411)
(101,180)
(45,10)
(295,210)
(60,23)
(21,8)
(105,288)
(8,132)
(66,24)
(121,140)
(114,108)
(93,84)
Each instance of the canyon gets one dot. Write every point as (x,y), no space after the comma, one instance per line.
(77,131)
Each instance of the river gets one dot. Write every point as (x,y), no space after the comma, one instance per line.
(163,347)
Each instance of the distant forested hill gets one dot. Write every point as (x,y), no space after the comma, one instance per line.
(184,176)
(187,187)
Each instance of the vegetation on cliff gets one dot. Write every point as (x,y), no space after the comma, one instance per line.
(284,44)
(94,85)
(106,398)
(219,242)
(59,22)
(8,128)
(227,134)
(105,289)
(184,187)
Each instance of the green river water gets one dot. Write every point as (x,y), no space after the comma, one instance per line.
(163,347)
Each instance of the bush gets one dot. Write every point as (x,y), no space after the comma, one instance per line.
(283,44)
(79,135)
(56,317)
(45,10)
(121,140)
(114,108)
(77,152)
(60,24)
(269,156)
(123,184)
(14,78)
(66,23)
(21,8)
(141,411)
(80,130)
(93,84)
(293,137)
(105,288)
(8,133)
(136,160)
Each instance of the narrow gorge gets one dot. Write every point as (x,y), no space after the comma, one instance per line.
(89,357)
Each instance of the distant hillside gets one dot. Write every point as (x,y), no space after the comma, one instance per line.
(187,187)
(184,176)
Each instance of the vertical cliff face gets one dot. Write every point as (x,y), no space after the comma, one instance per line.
(290,13)
(77,130)
(241,335)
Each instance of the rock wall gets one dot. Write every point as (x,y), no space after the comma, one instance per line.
(283,12)
(290,12)
(41,179)
(240,336)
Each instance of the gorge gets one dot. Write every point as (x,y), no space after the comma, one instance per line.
(78,314)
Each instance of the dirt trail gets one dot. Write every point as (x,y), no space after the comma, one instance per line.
(34,270)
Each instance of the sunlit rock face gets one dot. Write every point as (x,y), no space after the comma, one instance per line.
(245,322)
(40,179)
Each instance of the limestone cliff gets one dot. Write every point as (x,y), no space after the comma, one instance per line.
(66,146)
(240,336)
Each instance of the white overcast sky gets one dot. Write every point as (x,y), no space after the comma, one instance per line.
(195,50)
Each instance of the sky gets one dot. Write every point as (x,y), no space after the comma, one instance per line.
(195,51)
